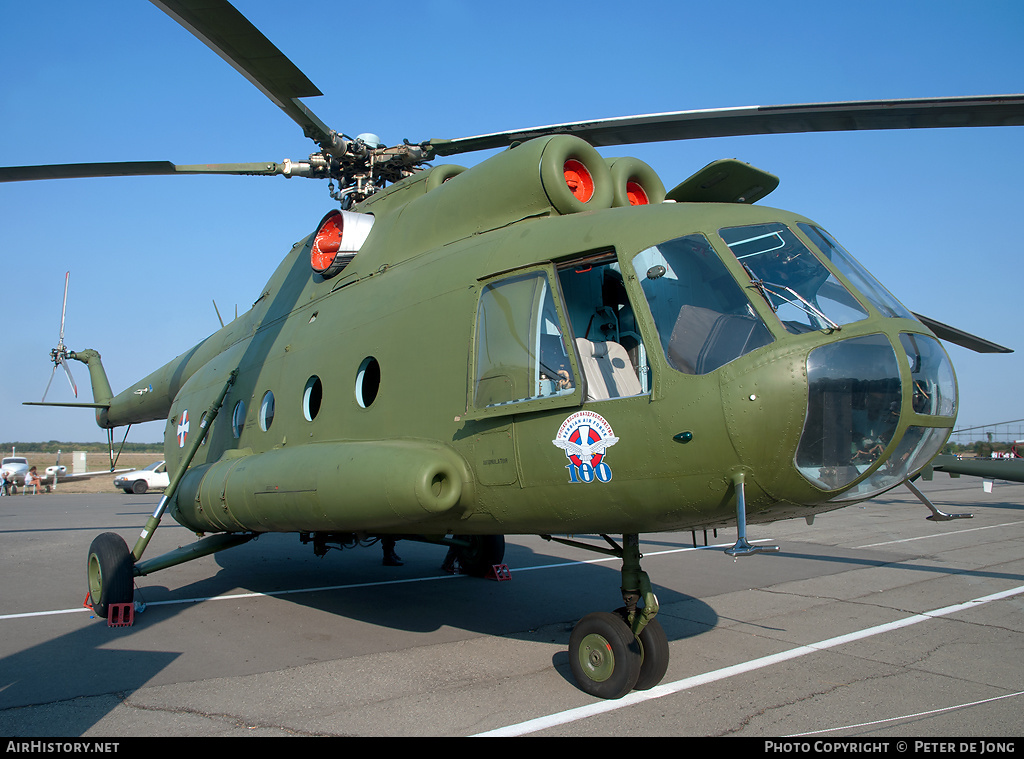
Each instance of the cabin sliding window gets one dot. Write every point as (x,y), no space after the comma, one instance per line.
(703,318)
(521,350)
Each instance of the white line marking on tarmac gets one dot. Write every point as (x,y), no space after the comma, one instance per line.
(939,535)
(667,689)
(916,715)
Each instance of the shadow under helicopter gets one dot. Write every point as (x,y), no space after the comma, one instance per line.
(66,685)
(75,679)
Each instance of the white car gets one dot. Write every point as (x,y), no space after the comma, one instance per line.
(138,481)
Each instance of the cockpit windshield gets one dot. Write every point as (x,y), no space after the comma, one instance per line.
(803,293)
(848,266)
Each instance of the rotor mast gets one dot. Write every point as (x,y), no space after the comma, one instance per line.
(362,166)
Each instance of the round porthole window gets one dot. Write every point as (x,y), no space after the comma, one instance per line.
(367,382)
(238,419)
(267,411)
(311,398)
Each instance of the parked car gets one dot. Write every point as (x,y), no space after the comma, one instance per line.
(138,481)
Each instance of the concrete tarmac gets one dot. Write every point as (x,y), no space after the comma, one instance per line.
(872,622)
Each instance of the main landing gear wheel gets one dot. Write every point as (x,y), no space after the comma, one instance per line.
(110,573)
(483,552)
(604,655)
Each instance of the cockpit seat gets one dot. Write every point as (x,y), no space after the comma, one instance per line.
(608,370)
(703,339)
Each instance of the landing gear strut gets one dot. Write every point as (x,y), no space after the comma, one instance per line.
(111,568)
(612,653)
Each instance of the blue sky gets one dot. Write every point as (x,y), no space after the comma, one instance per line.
(933,214)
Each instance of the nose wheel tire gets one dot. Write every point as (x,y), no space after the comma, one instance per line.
(110,573)
(654,652)
(604,655)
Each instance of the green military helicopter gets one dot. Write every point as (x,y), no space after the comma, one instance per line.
(546,343)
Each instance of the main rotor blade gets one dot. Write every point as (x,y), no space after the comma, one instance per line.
(222,28)
(138,169)
(84,170)
(959,337)
(64,308)
(994,110)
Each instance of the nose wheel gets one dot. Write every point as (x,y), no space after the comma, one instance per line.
(604,655)
(608,660)
(612,653)
(653,652)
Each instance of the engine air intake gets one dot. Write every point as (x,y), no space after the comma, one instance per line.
(338,238)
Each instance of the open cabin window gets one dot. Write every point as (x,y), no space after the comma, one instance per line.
(612,355)
(521,352)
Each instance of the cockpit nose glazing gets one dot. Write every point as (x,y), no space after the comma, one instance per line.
(865,416)
(858,276)
(855,403)
(853,409)
(879,404)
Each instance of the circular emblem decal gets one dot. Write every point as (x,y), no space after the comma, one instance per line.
(586,437)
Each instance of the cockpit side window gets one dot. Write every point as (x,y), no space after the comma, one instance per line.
(550,338)
(703,318)
(804,294)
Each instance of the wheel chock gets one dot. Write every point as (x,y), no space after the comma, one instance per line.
(499,572)
(121,615)
(118,615)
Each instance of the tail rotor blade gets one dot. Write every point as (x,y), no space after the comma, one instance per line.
(60,354)
(71,379)
(49,383)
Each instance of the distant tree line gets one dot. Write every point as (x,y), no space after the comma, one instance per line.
(53,446)
(980,448)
